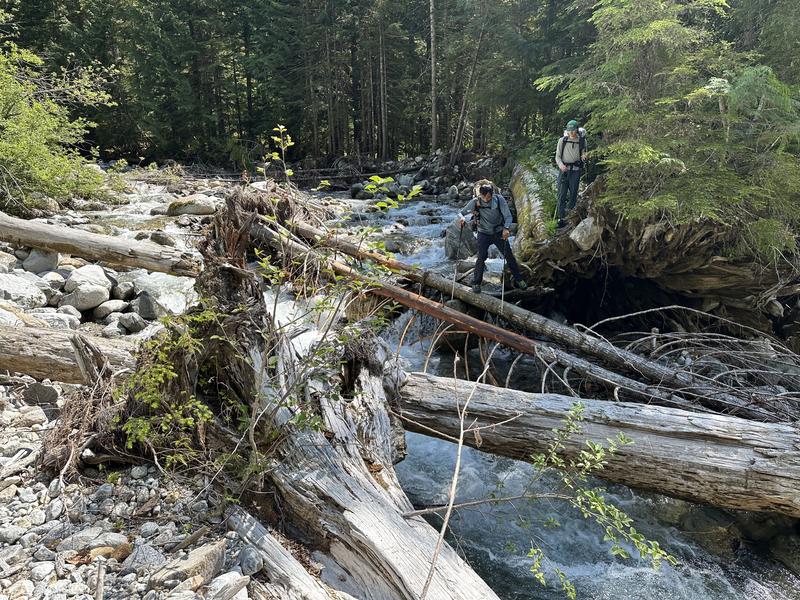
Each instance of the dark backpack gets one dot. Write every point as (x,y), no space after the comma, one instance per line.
(581,143)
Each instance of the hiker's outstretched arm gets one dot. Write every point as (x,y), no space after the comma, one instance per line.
(469,207)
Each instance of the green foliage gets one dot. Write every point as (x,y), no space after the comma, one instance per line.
(39,141)
(379,184)
(163,414)
(573,472)
(692,127)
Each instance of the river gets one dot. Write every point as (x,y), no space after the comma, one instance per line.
(712,564)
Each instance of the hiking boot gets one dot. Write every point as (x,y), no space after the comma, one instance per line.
(521,284)
(476,288)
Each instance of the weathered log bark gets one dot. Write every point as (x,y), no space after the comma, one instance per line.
(714,459)
(334,484)
(103,248)
(545,352)
(48,353)
(288,579)
(343,492)
(754,406)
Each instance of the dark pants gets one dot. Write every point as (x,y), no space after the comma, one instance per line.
(484,241)
(567,191)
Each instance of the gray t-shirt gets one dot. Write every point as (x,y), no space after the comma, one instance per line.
(494,216)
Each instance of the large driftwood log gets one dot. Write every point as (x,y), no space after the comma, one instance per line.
(714,459)
(48,353)
(103,248)
(754,406)
(343,491)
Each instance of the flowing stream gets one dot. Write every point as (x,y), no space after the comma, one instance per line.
(496,540)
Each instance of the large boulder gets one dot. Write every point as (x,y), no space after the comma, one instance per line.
(196,204)
(175,294)
(587,234)
(21,292)
(108,307)
(89,275)
(460,243)
(39,261)
(86,297)
(148,307)
(533,191)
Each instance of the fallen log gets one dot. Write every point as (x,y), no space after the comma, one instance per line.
(547,353)
(102,248)
(288,579)
(48,353)
(335,483)
(714,459)
(753,405)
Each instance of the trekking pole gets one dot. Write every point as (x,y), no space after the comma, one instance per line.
(506,246)
(455,268)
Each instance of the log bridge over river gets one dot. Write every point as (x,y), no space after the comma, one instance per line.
(695,437)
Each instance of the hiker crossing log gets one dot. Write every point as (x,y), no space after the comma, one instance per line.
(107,249)
(754,405)
(714,459)
(48,353)
(545,352)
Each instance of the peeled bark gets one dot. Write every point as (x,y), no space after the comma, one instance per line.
(714,459)
(48,353)
(107,249)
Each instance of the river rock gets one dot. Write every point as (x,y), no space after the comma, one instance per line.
(57,320)
(8,262)
(205,561)
(21,590)
(164,239)
(459,243)
(86,297)
(69,310)
(133,322)
(196,204)
(250,560)
(89,275)
(148,307)
(11,533)
(80,540)
(113,330)
(39,261)
(587,234)
(40,393)
(20,291)
(143,558)
(108,307)
(54,279)
(124,290)
(28,416)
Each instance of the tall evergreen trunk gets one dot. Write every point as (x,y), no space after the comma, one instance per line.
(384,134)
(239,129)
(355,91)
(434,132)
(462,118)
(248,78)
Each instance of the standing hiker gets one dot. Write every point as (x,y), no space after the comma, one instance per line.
(491,218)
(570,156)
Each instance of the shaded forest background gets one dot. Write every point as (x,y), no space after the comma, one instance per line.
(692,105)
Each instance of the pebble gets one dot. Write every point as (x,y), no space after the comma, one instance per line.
(139,472)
